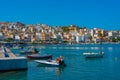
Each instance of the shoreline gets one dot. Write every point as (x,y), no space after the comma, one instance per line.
(57,43)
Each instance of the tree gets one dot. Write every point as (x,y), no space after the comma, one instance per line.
(65,29)
(8,40)
(90,37)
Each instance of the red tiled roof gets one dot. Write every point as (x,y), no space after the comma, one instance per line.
(1,23)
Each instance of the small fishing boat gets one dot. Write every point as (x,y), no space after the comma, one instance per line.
(29,51)
(40,56)
(51,63)
(93,54)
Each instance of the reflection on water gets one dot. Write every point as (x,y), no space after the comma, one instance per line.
(87,59)
(58,70)
(110,48)
(13,75)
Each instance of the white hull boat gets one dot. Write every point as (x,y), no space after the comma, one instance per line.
(51,63)
(93,54)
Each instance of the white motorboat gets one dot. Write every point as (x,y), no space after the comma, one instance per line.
(93,54)
(51,63)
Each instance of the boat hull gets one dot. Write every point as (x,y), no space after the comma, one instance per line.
(28,52)
(94,55)
(39,57)
(51,63)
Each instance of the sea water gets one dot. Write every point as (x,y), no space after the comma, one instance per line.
(78,67)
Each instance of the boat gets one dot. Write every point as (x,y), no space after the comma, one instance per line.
(39,56)
(93,54)
(51,63)
(29,51)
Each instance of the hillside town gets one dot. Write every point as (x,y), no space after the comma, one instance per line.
(42,33)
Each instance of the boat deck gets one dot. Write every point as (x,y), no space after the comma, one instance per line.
(2,54)
(8,52)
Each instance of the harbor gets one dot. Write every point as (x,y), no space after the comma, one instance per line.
(78,67)
(60,40)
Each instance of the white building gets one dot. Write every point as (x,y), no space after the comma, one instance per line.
(80,38)
(110,34)
(77,39)
(38,36)
(17,38)
(113,34)
(92,32)
(1,36)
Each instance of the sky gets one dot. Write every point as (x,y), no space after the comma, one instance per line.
(104,14)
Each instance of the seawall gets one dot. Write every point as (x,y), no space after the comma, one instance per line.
(9,61)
